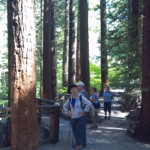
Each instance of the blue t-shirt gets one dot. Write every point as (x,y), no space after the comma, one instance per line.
(95,95)
(73,102)
(108,96)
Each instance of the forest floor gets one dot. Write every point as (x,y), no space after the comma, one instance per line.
(110,135)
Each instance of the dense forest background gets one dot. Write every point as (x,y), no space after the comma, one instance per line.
(124,46)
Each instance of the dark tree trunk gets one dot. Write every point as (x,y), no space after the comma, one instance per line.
(104,63)
(84,43)
(135,22)
(47,94)
(65,52)
(22,67)
(53,61)
(135,36)
(143,131)
(71,77)
(78,64)
(41,63)
(10,43)
(134,39)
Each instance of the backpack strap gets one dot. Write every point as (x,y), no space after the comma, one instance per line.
(69,103)
(81,100)
(80,97)
(84,93)
(82,106)
(70,99)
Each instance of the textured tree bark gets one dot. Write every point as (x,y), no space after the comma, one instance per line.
(143,132)
(53,61)
(65,52)
(78,63)
(84,43)
(47,94)
(104,63)
(22,67)
(71,77)
(41,63)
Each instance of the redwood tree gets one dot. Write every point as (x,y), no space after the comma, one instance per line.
(84,41)
(135,22)
(143,131)
(104,63)
(65,52)
(22,75)
(71,76)
(41,64)
(53,61)
(78,63)
(47,94)
(133,29)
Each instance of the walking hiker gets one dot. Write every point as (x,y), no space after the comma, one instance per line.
(108,97)
(78,121)
(81,90)
(93,110)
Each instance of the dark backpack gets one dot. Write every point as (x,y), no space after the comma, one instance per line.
(80,97)
(85,94)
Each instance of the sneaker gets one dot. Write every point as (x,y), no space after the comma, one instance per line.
(74,146)
(105,117)
(93,127)
(109,118)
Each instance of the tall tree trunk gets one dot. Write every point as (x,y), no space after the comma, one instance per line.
(144,124)
(41,63)
(135,22)
(65,52)
(104,63)
(22,67)
(78,64)
(84,43)
(135,35)
(134,39)
(10,43)
(53,61)
(47,94)
(71,77)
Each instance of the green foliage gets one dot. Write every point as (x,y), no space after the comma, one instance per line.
(124,62)
(124,52)
(3,52)
(95,76)
(124,49)
(38,24)
(60,88)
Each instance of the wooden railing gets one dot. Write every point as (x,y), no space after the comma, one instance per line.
(51,108)
(44,108)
